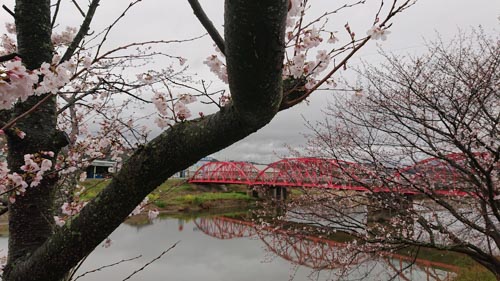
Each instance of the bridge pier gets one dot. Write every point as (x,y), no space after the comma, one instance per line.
(390,213)
(276,193)
(280,193)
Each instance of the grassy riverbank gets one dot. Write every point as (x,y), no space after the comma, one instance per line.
(177,195)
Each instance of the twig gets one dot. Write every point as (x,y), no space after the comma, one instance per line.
(78,7)
(124,91)
(393,11)
(207,24)
(106,266)
(75,269)
(150,262)
(13,121)
(56,12)
(108,29)
(288,104)
(9,11)
(208,96)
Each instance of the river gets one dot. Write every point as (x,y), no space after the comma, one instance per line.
(220,249)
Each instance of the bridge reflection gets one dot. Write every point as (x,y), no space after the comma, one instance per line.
(319,253)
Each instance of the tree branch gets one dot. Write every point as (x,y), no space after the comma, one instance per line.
(207,23)
(8,57)
(9,11)
(84,29)
(151,261)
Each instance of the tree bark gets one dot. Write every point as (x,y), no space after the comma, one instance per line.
(254,34)
(30,217)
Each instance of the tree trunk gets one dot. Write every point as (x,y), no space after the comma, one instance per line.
(30,216)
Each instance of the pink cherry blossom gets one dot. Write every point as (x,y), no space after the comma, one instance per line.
(217,67)
(145,78)
(295,8)
(10,27)
(46,165)
(152,214)
(72,208)
(7,45)
(182,111)
(187,98)
(310,83)
(224,100)
(87,62)
(138,209)
(333,39)
(107,243)
(20,134)
(30,166)
(160,102)
(161,122)
(18,181)
(376,32)
(59,221)
(65,37)
(83,176)
(35,181)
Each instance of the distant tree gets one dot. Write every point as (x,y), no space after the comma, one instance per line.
(444,107)
(54,84)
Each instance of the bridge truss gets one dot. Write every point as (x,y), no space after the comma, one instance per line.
(444,176)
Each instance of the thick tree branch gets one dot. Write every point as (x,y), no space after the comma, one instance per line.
(255,48)
(208,25)
(84,29)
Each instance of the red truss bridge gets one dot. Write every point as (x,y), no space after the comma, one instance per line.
(305,250)
(437,175)
(226,173)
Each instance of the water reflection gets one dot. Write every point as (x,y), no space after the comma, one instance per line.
(233,249)
(221,248)
(326,255)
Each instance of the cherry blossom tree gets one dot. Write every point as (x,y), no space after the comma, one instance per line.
(422,134)
(58,84)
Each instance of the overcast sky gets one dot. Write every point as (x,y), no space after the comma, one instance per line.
(173,19)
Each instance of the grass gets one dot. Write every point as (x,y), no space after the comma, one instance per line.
(474,273)
(211,196)
(93,187)
(469,269)
(177,193)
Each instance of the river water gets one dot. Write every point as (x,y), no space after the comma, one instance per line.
(220,249)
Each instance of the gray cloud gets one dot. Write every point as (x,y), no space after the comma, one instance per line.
(174,19)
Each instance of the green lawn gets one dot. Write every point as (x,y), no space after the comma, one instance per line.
(177,192)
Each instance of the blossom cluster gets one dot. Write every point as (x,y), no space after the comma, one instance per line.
(304,43)
(18,83)
(217,67)
(69,210)
(34,168)
(179,109)
(65,37)
(7,43)
(377,32)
